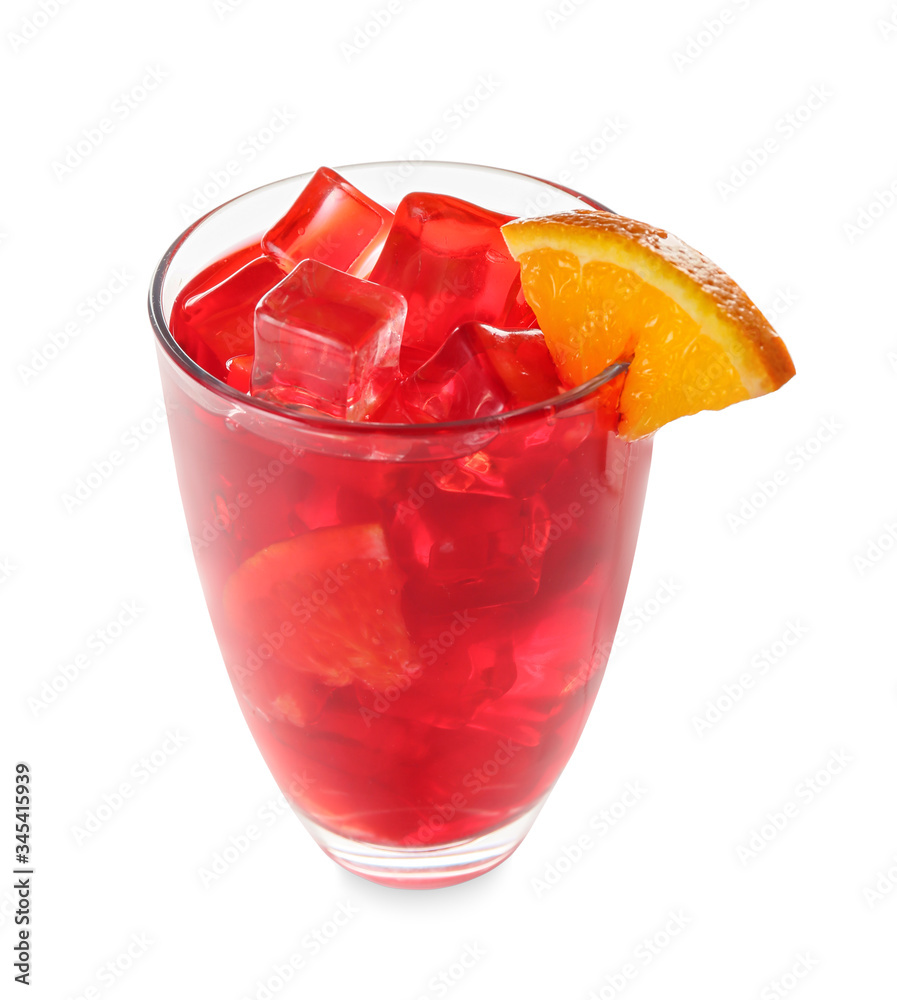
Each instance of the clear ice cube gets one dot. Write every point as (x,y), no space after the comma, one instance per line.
(327,340)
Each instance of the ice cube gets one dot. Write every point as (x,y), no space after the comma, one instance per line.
(332,222)
(522,361)
(527,453)
(390,409)
(223,268)
(217,317)
(449,259)
(465,658)
(465,550)
(494,667)
(585,538)
(327,340)
(457,383)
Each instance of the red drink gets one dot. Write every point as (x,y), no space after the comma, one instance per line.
(415,618)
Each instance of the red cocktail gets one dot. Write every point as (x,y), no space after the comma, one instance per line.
(415,616)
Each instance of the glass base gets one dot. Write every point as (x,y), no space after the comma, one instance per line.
(425,867)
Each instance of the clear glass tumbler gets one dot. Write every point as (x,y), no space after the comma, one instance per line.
(415,618)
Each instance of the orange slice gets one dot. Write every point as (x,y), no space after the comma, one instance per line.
(605,288)
(329,601)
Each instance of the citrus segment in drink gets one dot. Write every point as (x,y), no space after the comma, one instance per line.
(330,601)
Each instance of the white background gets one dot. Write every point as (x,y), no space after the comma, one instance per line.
(648,110)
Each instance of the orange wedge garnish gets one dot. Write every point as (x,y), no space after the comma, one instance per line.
(605,288)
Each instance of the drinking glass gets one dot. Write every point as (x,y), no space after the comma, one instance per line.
(415,618)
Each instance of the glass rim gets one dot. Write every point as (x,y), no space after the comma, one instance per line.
(562,401)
